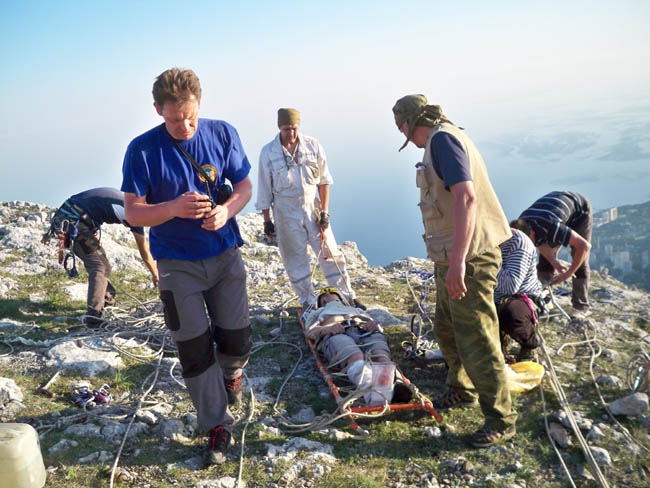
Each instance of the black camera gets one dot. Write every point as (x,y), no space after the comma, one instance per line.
(223,194)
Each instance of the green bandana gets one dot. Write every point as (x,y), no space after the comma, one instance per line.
(414,110)
(288,116)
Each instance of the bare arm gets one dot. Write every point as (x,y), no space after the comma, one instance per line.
(581,248)
(464,224)
(324,195)
(550,254)
(145,254)
(189,205)
(317,331)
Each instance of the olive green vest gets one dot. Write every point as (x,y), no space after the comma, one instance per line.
(437,204)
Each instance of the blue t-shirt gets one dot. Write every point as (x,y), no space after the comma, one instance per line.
(449,159)
(155,168)
(104,206)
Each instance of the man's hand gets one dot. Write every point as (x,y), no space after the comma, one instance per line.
(371,326)
(561,277)
(215,218)
(333,329)
(269,229)
(191,205)
(455,280)
(324,220)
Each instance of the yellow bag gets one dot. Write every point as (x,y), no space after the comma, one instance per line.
(524,376)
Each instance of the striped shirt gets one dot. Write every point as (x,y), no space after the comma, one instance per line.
(552,215)
(518,274)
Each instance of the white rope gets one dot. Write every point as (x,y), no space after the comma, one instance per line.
(564,403)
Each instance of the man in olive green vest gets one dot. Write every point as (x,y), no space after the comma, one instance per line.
(463,227)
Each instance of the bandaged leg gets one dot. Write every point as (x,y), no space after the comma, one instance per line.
(360,374)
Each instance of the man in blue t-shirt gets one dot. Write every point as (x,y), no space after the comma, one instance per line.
(88,210)
(173,178)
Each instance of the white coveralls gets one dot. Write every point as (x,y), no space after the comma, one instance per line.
(290,185)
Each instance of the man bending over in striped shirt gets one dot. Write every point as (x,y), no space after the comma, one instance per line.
(517,290)
(561,218)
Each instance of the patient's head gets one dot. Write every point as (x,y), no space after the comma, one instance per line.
(328,294)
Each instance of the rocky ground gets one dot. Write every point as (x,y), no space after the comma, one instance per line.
(585,426)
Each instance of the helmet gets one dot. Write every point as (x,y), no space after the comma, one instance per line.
(325,291)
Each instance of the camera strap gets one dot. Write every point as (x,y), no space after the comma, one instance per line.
(194,163)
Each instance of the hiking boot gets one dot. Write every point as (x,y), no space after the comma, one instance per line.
(235,389)
(489,436)
(401,393)
(356,303)
(452,399)
(525,354)
(218,442)
(580,314)
(93,319)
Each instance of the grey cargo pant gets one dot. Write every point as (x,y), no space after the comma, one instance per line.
(206,305)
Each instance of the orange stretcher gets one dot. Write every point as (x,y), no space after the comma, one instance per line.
(418,401)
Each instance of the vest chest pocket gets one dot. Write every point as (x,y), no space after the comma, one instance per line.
(423,176)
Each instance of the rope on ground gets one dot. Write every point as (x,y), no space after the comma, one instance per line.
(128,428)
(564,403)
(621,427)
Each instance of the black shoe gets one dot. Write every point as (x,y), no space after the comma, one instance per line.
(487,437)
(452,399)
(358,304)
(401,393)
(93,319)
(235,389)
(218,442)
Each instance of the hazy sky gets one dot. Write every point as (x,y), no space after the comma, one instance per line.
(556,95)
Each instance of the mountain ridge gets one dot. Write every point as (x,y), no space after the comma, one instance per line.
(39,304)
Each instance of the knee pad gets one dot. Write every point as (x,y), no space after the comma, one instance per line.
(233,342)
(196,355)
(169,310)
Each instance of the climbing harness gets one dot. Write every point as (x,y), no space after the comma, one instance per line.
(64,224)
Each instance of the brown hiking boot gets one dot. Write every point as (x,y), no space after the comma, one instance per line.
(489,436)
(235,389)
(452,399)
(218,442)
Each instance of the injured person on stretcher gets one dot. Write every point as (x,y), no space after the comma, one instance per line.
(351,341)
